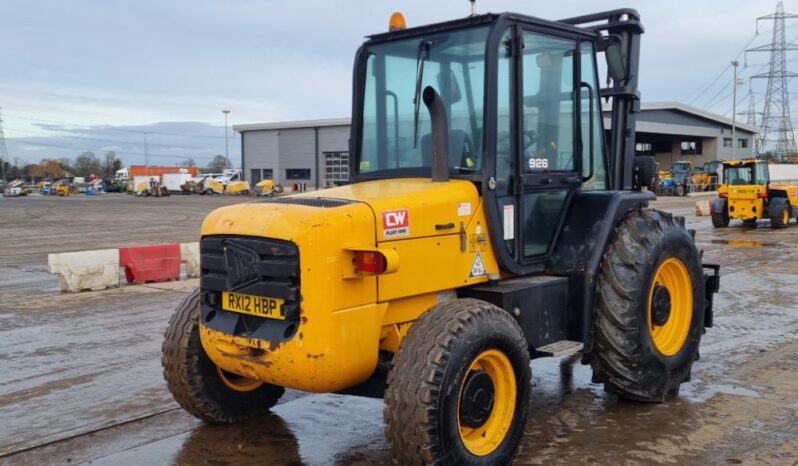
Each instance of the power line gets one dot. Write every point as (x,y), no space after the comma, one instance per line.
(776,134)
(717,78)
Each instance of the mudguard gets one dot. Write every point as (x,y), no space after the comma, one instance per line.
(586,231)
(719,205)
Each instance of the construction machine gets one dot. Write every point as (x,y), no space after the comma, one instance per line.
(489,221)
(267,188)
(151,187)
(748,194)
(15,188)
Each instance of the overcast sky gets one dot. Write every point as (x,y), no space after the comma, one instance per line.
(74,73)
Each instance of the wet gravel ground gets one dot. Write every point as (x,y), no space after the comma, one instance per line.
(80,377)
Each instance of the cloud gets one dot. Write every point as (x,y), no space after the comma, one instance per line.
(95,66)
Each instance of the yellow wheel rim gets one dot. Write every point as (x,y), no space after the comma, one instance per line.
(484,439)
(237,382)
(670,332)
(786,215)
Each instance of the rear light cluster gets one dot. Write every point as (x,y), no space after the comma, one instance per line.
(723,195)
(371,262)
(762,195)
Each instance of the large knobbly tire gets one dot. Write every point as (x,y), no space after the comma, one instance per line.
(721,219)
(633,355)
(442,353)
(195,381)
(777,222)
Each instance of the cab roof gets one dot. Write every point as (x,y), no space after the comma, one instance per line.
(742,162)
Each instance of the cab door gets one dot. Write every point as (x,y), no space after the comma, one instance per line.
(544,111)
(548,153)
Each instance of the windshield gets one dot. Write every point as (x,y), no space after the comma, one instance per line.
(451,62)
(681,166)
(738,174)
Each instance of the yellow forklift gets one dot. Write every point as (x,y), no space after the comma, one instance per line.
(748,194)
(488,222)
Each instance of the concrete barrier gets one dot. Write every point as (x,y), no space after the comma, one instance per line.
(86,270)
(190,254)
(702,208)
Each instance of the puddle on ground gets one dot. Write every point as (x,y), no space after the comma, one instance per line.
(744,243)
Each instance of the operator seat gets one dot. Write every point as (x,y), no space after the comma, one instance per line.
(461,150)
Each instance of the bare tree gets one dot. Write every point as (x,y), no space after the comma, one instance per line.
(218,164)
(87,164)
(111,164)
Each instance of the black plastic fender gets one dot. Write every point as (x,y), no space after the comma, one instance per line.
(776,206)
(719,205)
(587,229)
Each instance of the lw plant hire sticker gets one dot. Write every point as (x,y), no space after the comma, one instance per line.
(395,223)
(478,269)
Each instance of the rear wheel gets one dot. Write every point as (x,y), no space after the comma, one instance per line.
(720,219)
(197,384)
(781,221)
(680,190)
(650,308)
(458,392)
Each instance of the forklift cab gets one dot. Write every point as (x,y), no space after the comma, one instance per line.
(522,101)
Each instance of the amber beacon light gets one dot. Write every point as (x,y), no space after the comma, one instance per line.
(397,22)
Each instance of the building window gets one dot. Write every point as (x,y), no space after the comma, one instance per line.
(691,147)
(727,142)
(743,143)
(336,168)
(258,174)
(297,173)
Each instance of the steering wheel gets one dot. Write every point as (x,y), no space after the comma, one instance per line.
(530,138)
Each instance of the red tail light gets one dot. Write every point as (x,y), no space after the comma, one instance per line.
(762,195)
(370,262)
(723,195)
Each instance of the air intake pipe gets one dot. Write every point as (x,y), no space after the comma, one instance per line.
(440,135)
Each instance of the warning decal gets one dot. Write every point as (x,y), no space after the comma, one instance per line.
(395,223)
(478,269)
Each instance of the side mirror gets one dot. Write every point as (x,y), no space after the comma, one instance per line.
(644,170)
(615,63)
(450,89)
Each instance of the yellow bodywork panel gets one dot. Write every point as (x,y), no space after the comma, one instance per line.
(337,341)
(264,187)
(437,234)
(214,185)
(237,187)
(744,200)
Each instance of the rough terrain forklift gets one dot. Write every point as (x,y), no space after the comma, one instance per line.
(748,194)
(489,222)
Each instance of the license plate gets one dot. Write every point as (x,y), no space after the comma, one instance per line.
(261,306)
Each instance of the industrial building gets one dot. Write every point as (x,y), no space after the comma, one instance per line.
(316,152)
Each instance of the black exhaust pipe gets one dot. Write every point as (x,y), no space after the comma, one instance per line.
(440,136)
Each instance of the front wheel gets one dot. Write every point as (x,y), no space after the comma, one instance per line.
(197,384)
(458,391)
(650,308)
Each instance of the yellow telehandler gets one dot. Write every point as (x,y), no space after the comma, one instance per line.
(489,222)
(748,194)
